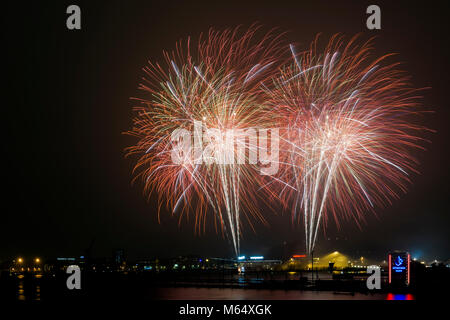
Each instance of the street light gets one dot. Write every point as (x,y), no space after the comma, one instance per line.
(37,260)
(20,260)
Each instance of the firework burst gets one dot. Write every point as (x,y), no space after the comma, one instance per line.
(345,118)
(210,89)
(348,133)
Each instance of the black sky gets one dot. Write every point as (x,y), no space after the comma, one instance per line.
(66,103)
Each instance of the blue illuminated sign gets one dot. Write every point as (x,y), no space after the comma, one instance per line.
(399,268)
(398,264)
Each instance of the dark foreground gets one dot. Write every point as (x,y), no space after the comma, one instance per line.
(213,286)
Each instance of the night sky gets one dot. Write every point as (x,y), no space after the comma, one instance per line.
(66,104)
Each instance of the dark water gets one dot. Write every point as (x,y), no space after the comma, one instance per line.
(263,294)
(36,289)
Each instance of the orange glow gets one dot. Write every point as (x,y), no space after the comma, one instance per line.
(299,256)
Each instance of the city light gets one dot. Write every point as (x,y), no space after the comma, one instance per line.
(20,260)
(256,258)
(241,258)
(37,260)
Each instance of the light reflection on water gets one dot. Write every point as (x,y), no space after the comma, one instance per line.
(28,292)
(32,292)
(259,294)
(20,291)
(407,296)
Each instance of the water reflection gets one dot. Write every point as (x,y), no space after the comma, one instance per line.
(260,294)
(28,290)
(37,295)
(392,296)
(20,291)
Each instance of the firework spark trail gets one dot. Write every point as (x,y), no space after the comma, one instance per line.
(219,87)
(348,135)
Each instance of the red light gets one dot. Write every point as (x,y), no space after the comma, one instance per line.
(409,259)
(389,268)
(299,256)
